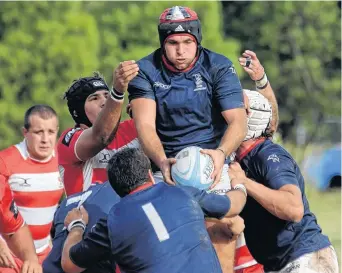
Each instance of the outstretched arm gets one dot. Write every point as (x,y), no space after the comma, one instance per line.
(257,73)
(96,138)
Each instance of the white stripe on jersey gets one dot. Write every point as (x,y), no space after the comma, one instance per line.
(245,265)
(87,174)
(37,216)
(35,182)
(42,244)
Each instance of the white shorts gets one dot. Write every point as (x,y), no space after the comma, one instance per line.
(321,261)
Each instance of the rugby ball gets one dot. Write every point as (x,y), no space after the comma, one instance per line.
(193,168)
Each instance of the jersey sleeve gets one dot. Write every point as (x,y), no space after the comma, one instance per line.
(212,205)
(278,168)
(66,146)
(140,87)
(93,248)
(227,88)
(10,218)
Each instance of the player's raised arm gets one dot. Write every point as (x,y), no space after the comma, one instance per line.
(90,108)
(251,64)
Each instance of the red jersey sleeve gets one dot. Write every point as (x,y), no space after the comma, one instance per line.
(66,146)
(10,218)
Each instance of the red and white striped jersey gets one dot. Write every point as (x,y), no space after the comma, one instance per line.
(78,175)
(243,258)
(10,218)
(36,187)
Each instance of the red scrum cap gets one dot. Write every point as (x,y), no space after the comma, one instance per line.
(179,20)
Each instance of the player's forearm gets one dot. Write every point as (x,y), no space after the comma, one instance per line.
(234,135)
(269,94)
(74,237)
(106,124)
(279,203)
(237,202)
(151,143)
(21,244)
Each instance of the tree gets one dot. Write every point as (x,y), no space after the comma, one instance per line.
(299,45)
(45,45)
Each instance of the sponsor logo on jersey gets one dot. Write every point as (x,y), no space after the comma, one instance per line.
(14,209)
(161,85)
(105,157)
(68,136)
(23,182)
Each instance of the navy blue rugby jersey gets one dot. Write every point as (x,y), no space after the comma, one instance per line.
(274,242)
(189,104)
(158,229)
(97,200)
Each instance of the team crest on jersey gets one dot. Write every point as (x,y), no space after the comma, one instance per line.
(200,85)
(14,209)
(273,157)
(68,136)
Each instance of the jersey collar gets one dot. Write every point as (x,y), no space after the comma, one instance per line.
(142,187)
(23,150)
(245,149)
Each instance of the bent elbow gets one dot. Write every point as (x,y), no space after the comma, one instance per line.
(297,214)
(68,266)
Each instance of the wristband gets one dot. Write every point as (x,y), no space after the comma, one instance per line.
(77,222)
(78,225)
(116,96)
(262,83)
(240,187)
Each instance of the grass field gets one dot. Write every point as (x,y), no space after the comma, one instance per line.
(327,208)
(325,205)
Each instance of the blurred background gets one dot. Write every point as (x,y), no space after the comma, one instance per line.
(45,45)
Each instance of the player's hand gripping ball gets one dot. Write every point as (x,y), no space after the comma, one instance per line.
(193,168)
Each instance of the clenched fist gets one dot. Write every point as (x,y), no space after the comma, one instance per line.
(123,74)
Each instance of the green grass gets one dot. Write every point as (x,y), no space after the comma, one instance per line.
(327,208)
(325,205)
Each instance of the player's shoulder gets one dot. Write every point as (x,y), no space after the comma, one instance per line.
(67,135)
(269,152)
(215,59)
(9,152)
(13,155)
(150,63)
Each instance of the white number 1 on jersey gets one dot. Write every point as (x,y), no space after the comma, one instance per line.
(156,222)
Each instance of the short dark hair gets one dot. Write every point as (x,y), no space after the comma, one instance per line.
(42,110)
(127,170)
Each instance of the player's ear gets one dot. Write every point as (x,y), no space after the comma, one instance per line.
(24,131)
(150,176)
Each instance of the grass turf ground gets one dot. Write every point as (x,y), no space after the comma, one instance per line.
(327,208)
